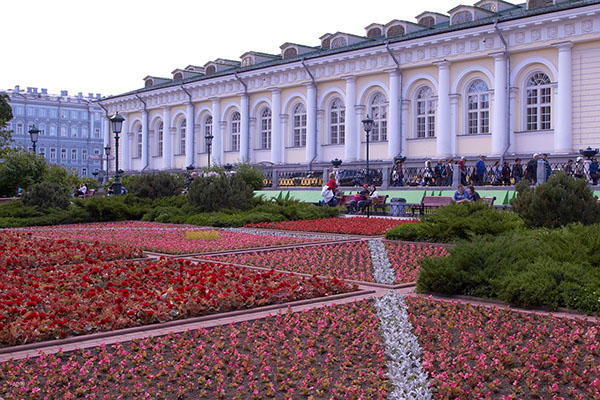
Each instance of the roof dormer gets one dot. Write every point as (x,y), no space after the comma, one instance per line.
(151,81)
(181,74)
(340,39)
(374,30)
(463,14)
(292,50)
(494,5)
(398,28)
(253,57)
(195,68)
(531,4)
(429,18)
(220,64)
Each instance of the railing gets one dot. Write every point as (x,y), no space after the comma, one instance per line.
(300,178)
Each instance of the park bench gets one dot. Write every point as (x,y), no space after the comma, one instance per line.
(432,202)
(489,201)
(379,203)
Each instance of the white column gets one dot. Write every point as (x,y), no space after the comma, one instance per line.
(513,104)
(144,139)
(352,134)
(500,106)
(190,135)
(284,129)
(320,117)
(311,123)
(276,136)
(563,116)
(394,132)
(405,124)
(359,111)
(217,143)
(220,156)
(167,139)
(252,136)
(126,144)
(244,133)
(443,112)
(454,123)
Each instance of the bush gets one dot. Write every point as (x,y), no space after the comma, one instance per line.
(560,201)
(47,195)
(559,268)
(213,191)
(20,169)
(457,221)
(252,176)
(153,186)
(113,208)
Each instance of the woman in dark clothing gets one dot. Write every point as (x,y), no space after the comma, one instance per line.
(474,196)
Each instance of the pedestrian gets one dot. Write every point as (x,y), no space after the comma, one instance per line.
(579,170)
(506,174)
(328,197)
(517,171)
(462,163)
(569,168)
(439,173)
(449,172)
(428,173)
(480,170)
(594,171)
(397,174)
(531,172)
(547,165)
(496,174)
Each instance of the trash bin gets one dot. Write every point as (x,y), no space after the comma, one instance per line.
(398,207)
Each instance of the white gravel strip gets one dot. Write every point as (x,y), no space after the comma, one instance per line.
(405,371)
(283,234)
(382,269)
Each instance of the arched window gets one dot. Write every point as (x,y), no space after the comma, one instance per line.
(182,127)
(378,110)
(208,130)
(478,108)
(235,131)
(538,102)
(338,42)
(461,17)
(265,128)
(299,118)
(159,139)
(138,141)
(425,112)
(337,119)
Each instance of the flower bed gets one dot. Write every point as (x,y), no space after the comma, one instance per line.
(491,353)
(346,260)
(19,249)
(169,239)
(333,352)
(347,226)
(58,301)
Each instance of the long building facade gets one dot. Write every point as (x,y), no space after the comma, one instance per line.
(71,129)
(493,78)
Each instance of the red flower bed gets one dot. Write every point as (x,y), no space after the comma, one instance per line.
(333,352)
(347,226)
(20,249)
(404,258)
(58,301)
(490,353)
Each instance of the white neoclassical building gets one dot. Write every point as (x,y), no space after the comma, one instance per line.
(490,78)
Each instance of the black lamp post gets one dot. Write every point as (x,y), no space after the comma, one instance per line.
(107,153)
(34,133)
(589,152)
(368,126)
(336,162)
(209,137)
(117,125)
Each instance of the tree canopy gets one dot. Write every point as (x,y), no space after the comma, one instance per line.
(5,116)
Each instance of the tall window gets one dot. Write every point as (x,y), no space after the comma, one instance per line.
(43,151)
(73,154)
(235,131)
(52,130)
(63,131)
(159,139)
(19,129)
(379,114)
(84,132)
(182,137)
(63,154)
(73,131)
(138,138)
(539,99)
(337,118)
(265,128)
(42,129)
(478,108)
(208,130)
(84,155)
(425,113)
(299,115)
(53,154)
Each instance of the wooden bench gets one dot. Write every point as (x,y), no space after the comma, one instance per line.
(489,201)
(89,193)
(346,199)
(379,203)
(432,202)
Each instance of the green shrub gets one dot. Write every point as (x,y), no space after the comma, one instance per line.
(113,208)
(457,221)
(560,201)
(213,192)
(548,268)
(16,209)
(252,176)
(20,169)
(153,186)
(46,195)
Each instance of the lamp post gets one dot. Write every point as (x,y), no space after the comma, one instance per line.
(209,137)
(336,162)
(228,167)
(107,153)
(34,133)
(589,152)
(368,126)
(117,124)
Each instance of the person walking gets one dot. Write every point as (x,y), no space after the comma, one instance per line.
(462,163)
(480,170)
(579,170)
(531,172)
(594,171)
(397,174)
(506,174)
(449,172)
(517,171)
(547,165)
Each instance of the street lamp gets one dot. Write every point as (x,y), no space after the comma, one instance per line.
(336,162)
(368,126)
(107,153)
(209,137)
(228,167)
(117,125)
(34,133)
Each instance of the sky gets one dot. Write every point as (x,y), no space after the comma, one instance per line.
(109,46)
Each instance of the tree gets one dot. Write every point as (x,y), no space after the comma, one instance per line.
(20,169)
(5,116)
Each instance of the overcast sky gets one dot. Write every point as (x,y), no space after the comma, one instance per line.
(108,46)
